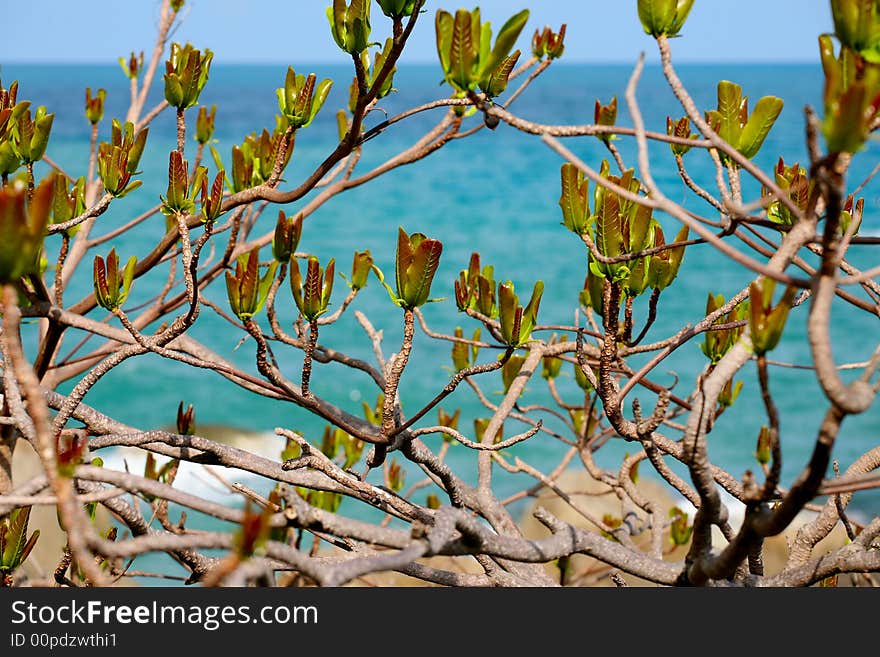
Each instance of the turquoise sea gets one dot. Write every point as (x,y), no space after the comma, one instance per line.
(495,192)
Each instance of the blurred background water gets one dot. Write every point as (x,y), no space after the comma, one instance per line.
(495,192)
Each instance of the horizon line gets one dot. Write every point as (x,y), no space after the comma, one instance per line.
(422,62)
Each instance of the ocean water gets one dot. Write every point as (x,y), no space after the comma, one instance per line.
(495,192)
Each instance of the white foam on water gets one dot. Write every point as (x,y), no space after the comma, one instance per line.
(196,478)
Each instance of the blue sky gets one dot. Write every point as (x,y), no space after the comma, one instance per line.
(288,31)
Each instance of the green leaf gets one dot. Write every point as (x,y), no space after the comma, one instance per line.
(574,199)
(336,18)
(482,36)
(830,65)
(360,35)
(302,104)
(173,90)
(486,293)
(517,322)
(777,317)
(391,293)
(403,260)
(40,140)
(856,23)
(296,284)
(102,292)
(663,266)
(639,228)
(676,255)
(637,282)
(321,93)
(9,160)
(130,188)
(248,283)
(605,114)
(232,293)
(496,83)
(242,170)
(191,78)
(443,27)
(508,303)
(530,313)
(591,294)
(504,42)
(199,178)
(730,104)
(359,15)
(265,284)
(510,370)
(462,52)
(460,352)
(218,160)
(28,547)
(329,277)
(177,180)
(113,275)
(759,124)
(852,213)
(609,237)
(61,208)
(658,266)
(16,536)
(378,64)
(757,321)
(656,16)
(398,8)
(844,128)
(681,13)
(127,278)
(136,150)
(421,272)
(312,289)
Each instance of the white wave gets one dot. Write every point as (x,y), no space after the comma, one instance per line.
(207,481)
